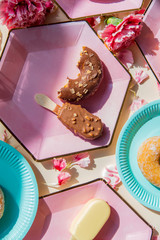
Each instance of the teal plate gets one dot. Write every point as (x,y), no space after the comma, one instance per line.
(143,124)
(20,191)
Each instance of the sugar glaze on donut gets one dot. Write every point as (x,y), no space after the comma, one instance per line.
(148,158)
(88,80)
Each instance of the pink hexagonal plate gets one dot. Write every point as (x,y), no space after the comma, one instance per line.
(38,60)
(149,39)
(82,8)
(56,212)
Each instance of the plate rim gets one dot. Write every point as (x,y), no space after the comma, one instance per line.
(35,201)
(102,14)
(128,80)
(118,148)
(100,179)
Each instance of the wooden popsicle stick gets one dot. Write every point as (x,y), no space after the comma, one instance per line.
(74,117)
(47,103)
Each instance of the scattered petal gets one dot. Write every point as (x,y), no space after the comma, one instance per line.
(82,159)
(80,156)
(83,163)
(137,104)
(110,174)
(126,57)
(141,76)
(5,136)
(63,177)
(59,164)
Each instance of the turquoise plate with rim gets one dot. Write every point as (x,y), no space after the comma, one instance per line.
(19,185)
(143,124)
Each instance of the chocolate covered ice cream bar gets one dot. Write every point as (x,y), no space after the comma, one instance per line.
(74,117)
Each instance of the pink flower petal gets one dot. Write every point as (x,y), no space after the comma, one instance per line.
(82,159)
(5,136)
(126,57)
(83,163)
(63,177)
(137,104)
(140,76)
(80,156)
(59,164)
(110,174)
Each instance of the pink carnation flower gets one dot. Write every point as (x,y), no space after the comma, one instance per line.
(59,164)
(24,13)
(122,35)
(63,177)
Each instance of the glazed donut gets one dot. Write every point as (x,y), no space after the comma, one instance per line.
(87,82)
(148,158)
(1,203)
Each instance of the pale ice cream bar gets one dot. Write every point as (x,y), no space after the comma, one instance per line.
(90,220)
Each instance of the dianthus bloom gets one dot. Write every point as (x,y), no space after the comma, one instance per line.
(122,35)
(24,13)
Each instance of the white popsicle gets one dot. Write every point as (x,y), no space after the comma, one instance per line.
(90,220)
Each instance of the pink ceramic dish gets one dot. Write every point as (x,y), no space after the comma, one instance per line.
(82,8)
(149,39)
(38,60)
(56,212)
